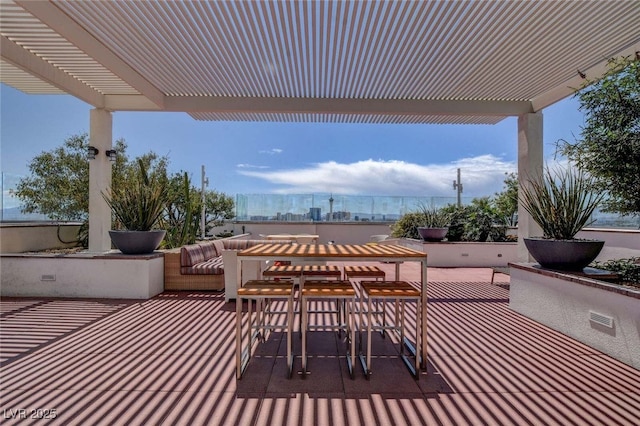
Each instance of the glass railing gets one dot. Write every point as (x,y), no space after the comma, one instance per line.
(313,207)
(327,207)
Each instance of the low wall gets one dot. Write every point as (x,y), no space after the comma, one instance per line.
(338,232)
(465,254)
(623,238)
(111,276)
(601,315)
(19,237)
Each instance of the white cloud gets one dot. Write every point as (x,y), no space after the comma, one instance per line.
(482,175)
(250,166)
(271,151)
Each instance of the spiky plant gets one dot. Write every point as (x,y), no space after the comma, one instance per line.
(433,217)
(138,205)
(561,202)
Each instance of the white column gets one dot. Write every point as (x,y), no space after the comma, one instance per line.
(530,164)
(100,136)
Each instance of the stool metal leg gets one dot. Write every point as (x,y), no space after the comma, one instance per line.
(303,331)
(289,332)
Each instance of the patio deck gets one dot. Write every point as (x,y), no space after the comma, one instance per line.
(170,360)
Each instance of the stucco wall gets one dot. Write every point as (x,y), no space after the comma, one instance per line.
(565,306)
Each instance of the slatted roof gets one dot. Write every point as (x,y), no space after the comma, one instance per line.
(328,61)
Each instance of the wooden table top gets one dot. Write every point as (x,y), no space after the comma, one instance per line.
(334,250)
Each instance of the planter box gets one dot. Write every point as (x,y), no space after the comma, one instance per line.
(112,276)
(601,315)
(465,254)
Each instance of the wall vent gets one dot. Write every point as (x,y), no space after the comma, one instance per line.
(601,319)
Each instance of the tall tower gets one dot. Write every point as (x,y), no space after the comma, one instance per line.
(331,207)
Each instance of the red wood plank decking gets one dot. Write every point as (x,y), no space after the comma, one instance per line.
(170,360)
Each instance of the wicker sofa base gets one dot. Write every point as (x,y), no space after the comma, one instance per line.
(174,280)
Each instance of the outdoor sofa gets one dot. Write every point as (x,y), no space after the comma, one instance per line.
(201,266)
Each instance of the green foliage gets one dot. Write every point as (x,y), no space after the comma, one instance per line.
(182,215)
(628,269)
(506,201)
(218,207)
(561,202)
(407,226)
(484,221)
(59,182)
(479,221)
(609,149)
(458,217)
(180,219)
(138,205)
(59,187)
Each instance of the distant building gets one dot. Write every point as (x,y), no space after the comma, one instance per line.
(315,213)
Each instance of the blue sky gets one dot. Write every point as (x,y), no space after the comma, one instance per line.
(252,158)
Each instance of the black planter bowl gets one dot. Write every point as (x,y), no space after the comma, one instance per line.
(137,242)
(566,255)
(432,234)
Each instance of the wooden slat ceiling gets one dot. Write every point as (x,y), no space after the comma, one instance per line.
(326,61)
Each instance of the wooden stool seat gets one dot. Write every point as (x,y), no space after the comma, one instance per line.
(321,271)
(283,271)
(264,288)
(391,289)
(331,289)
(362,271)
(398,291)
(262,291)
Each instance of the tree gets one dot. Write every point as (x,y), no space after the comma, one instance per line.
(59,182)
(182,214)
(59,188)
(506,201)
(218,208)
(610,146)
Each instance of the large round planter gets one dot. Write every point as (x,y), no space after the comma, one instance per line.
(137,242)
(566,255)
(432,234)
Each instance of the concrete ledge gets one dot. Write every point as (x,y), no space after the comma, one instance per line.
(84,275)
(602,315)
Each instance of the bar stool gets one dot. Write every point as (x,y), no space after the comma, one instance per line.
(282,271)
(363,271)
(344,294)
(399,292)
(261,291)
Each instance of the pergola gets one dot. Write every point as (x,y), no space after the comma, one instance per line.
(460,62)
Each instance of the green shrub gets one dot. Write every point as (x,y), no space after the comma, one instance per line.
(628,269)
(407,226)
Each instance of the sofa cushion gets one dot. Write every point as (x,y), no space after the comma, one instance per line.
(219,245)
(235,244)
(211,266)
(209,249)
(191,255)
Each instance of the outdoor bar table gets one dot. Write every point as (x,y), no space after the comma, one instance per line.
(346,253)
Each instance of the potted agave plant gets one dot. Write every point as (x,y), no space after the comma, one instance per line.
(434,223)
(137,207)
(562,203)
